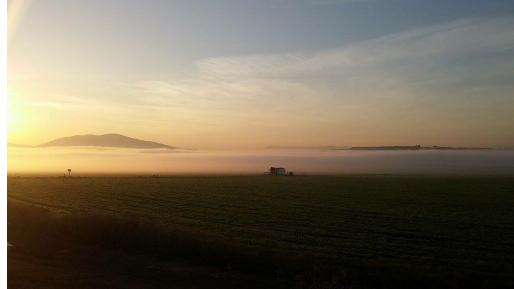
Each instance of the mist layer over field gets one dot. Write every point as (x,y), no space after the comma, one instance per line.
(111,160)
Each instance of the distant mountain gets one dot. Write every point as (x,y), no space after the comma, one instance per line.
(106,140)
(305,148)
(388,148)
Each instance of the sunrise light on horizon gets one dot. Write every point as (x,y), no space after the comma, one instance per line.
(199,74)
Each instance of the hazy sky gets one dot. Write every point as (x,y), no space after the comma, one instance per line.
(247,74)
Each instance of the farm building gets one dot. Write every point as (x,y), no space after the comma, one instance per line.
(273,171)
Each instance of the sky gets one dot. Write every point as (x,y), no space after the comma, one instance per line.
(249,74)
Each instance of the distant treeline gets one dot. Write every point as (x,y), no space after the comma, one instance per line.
(376,148)
(416,147)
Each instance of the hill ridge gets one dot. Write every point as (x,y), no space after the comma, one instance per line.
(104,140)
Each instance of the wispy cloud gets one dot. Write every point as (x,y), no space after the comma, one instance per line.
(397,77)
(390,72)
(247,100)
(60,101)
(475,36)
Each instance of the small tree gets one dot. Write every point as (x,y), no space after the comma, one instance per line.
(69,172)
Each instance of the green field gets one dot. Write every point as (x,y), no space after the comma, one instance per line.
(457,222)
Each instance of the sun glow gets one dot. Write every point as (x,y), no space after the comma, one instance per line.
(13,120)
(15,11)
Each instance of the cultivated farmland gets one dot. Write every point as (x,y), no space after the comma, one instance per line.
(436,222)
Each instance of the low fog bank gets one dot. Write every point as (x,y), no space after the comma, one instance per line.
(157,161)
